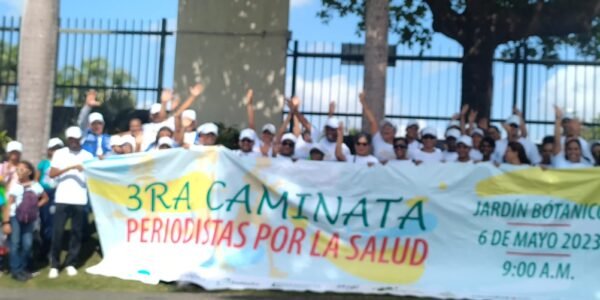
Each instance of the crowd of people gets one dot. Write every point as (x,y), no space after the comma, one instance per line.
(46,197)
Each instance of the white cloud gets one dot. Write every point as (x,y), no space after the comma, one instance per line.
(300,3)
(14,7)
(574,88)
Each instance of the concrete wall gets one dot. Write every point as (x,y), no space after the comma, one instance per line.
(230,46)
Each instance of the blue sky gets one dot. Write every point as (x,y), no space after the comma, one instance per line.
(413,87)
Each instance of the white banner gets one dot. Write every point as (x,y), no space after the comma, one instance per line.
(449,230)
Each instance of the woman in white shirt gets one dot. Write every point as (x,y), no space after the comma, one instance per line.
(362,148)
(428,153)
(572,157)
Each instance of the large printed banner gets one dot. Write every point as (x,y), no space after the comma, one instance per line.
(448,231)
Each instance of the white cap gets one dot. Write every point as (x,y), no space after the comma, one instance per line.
(569,116)
(95,117)
(513,120)
(454,123)
(412,123)
(55,142)
(155,108)
(269,128)
(289,137)
(478,131)
(332,122)
(73,132)
(387,122)
(189,114)
(248,134)
(207,128)
(165,140)
(453,132)
(465,140)
(14,146)
(115,140)
(318,147)
(128,139)
(429,131)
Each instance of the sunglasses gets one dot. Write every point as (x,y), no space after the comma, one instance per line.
(428,137)
(400,147)
(362,144)
(247,141)
(287,144)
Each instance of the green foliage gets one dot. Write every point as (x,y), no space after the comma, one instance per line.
(118,105)
(592,133)
(228,136)
(4,139)
(8,67)
(411,22)
(94,72)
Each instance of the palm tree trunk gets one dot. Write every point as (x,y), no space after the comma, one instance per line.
(37,64)
(376,57)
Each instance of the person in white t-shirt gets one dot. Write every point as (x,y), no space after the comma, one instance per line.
(316,152)
(70,198)
(208,134)
(477,136)
(401,151)
(572,157)
(362,147)
(428,153)
(412,136)
(572,130)
(127,144)
(487,148)
(158,113)
(452,136)
(246,144)
(383,133)
(463,148)
(189,124)
(512,126)
(21,229)
(268,131)
(310,135)
(328,142)
(285,149)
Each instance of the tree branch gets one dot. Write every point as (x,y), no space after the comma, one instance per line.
(446,20)
(543,19)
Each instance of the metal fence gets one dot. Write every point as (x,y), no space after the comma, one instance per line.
(426,86)
(123,60)
(130,61)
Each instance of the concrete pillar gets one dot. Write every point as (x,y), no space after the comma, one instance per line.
(231,46)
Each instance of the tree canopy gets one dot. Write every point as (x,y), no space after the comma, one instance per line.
(481,26)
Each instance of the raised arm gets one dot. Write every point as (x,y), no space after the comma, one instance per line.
(331,109)
(523,127)
(463,116)
(179,130)
(90,102)
(557,130)
(250,108)
(165,97)
(195,91)
(368,113)
(294,110)
(472,118)
(339,151)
